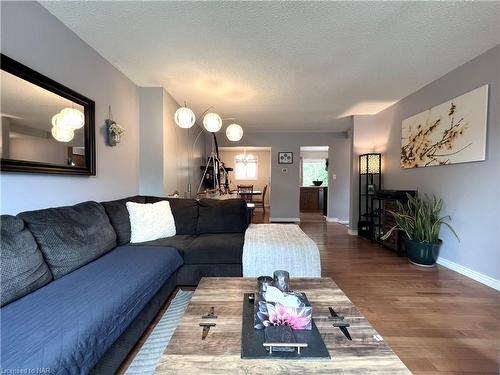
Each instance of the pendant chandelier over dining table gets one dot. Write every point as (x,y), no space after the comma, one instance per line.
(185,118)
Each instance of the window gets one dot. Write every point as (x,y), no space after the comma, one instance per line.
(312,170)
(245,167)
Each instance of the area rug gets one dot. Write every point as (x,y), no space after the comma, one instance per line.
(148,356)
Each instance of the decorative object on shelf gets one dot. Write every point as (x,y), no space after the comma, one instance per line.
(421,222)
(452,132)
(114,130)
(370,179)
(285,157)
(317,182)
(281,280)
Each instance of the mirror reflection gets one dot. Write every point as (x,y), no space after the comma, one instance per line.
(38,125)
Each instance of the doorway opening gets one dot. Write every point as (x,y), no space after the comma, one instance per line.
(249,171)
(314,183)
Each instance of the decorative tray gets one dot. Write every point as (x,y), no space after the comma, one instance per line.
(306,344)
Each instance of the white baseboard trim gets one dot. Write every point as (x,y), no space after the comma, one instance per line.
(284,219)
(352,232)
(336,220)
(483,279)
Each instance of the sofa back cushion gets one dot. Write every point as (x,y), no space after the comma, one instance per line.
(119,217)
(70,237)
(185,213)
(222,216)
(22,267)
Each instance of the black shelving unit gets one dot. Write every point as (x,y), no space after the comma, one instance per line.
(370,182)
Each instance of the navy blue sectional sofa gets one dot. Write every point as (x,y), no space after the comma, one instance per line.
(77,295)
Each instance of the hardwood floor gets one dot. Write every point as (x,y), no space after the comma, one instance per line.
(436,320)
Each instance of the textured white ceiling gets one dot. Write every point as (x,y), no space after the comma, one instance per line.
(285,65)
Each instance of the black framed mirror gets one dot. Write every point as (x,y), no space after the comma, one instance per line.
(45,126)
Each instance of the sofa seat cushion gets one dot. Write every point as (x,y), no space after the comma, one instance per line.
(70,237)
(22,268)
(69,324)
(180,241)
(185,213)
(119,217)
(222,216)
(222,248)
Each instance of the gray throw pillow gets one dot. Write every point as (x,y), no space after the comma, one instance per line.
(70,237)
(22,267)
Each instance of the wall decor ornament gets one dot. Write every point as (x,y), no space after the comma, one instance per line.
(114,131)
(285,157)
(452,132)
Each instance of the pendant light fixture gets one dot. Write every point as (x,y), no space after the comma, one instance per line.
(62,134)
(65,123)
(71,118)
(234,132)
(212,122)
(184,117)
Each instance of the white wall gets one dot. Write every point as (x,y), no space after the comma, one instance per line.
(34,37)
(471,191)
(165,162)
(263,172)
(286,186)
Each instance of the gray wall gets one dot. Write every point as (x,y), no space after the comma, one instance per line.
(165,163)
(286,186)
(471,191)
(151,141)
(34,37)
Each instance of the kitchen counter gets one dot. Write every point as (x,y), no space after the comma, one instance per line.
(313,198)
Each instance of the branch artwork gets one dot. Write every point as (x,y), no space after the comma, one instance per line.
(453,132)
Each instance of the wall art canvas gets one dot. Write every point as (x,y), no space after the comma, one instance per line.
(452,132)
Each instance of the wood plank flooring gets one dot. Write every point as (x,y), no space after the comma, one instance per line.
(436,320)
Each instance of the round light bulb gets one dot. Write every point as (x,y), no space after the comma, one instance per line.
(56,119)
(62,134)
(184,117)
(212,122)
(71,118)
(234,132)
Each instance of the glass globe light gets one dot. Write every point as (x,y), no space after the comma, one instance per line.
(234,132)
(184,117)
(71,118)
(56,120)
(62,134)
(212,122)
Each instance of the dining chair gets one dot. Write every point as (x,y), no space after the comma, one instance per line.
(261,202)
(246,192)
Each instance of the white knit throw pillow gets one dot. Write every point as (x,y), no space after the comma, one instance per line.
(150,221)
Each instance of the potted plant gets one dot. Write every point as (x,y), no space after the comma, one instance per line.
(421,222)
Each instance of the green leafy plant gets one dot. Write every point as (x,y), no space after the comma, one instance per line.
(419,219)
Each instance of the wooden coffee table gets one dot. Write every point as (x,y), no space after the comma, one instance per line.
(219,353)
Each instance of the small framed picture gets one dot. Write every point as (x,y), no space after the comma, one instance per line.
(371,189)
(285,157)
